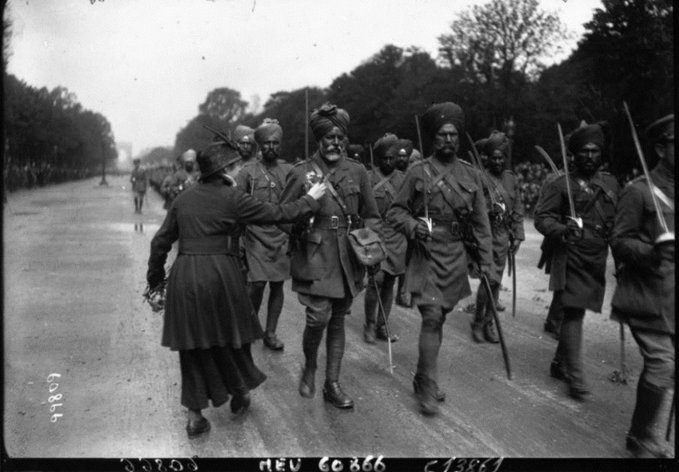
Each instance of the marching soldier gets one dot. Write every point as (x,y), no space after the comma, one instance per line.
(505,212)
(266,246)
(180,180)
(140,182)
(325,273)
(247,147)
(578,237)
(385,181)
(440,201)
(644,296)
(404,153)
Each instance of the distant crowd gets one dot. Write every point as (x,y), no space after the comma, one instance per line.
(39,174)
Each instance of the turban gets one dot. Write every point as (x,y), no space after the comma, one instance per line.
(661,129)
(188,155)
(243,131)
(415,156)
(406,145)
(326,117)
(268,130)
(497,141)
(480,145)
(585,134)
(353,149)
(384,144)
(440,114)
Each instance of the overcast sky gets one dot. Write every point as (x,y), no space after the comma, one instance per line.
(147,64)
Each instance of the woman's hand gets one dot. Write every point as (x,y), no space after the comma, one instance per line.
(317,190)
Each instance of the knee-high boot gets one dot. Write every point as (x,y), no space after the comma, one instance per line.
(311,339)
(424,382)
(570,343)
(370,306)
(642,438)
(332,391)
(480,314)
(489,324)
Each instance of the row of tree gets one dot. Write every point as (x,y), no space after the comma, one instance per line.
(49,127)
(490,64)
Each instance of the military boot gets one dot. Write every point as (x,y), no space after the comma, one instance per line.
(369,333)
(478,324)
(489,333)
(642,440)
(311,339)
(332,391)
(439,394)
(426,395)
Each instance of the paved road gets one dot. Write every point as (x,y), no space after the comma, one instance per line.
(75,257)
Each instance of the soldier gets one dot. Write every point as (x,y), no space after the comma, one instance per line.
(506,221)
(356,151)
(403,297)
(266,246)
(578,254)
(247,147)
(181,179)
(441,200)
(325,273)
(140,181)
(415,156)
(385,181)
(644,296)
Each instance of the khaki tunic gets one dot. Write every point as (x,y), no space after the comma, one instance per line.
(266,246)
(578,268)
(385,190)
(437,271)
(644,296)
(322,262)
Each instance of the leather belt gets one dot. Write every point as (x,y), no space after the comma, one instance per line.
(215,244)
(330,222)
(449,226)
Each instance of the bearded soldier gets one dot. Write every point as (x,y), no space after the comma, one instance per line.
(266,246)
(644,296)
(385,181)
(579,251)
(440,201)
(325,272)
(403,158)
(505,212)
(247,147)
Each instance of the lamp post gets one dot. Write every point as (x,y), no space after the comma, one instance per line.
(103,166)
(510,128)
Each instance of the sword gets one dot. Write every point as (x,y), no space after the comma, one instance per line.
(512,271)
(427,220)
(491,302)
(549,160)
(667,235)
(571,205)
(386,325)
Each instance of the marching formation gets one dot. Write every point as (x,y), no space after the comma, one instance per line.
(335,228)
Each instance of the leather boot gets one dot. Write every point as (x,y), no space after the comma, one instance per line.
(427,395)
(369,333)
(489,333)
(311,339)
(642,440)
(558,371)
(381,334)
(332,392)
(439,394)
(479,315)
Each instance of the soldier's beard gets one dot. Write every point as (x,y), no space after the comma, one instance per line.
(270,156)
(332,154)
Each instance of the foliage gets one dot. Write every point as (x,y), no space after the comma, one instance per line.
(158,155)
(52,127)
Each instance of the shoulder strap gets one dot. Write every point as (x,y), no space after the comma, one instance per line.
(441,178)
(333,192)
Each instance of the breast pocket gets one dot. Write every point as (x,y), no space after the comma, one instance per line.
(351,194)
(467,194)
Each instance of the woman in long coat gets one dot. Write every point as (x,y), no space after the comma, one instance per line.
(209,318)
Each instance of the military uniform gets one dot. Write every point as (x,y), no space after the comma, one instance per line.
(140,181)
(266,246)
(577,267)
(645,296)
(325,272)
(176,183)
(385,189)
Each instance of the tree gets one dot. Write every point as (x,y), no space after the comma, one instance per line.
(224,105)
(494,41)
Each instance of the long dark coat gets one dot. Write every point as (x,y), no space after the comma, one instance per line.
(436,274)
(207,303)
(578,268)
(644,295)
(323,263)
(385,190)
(505,190)
(266,246)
